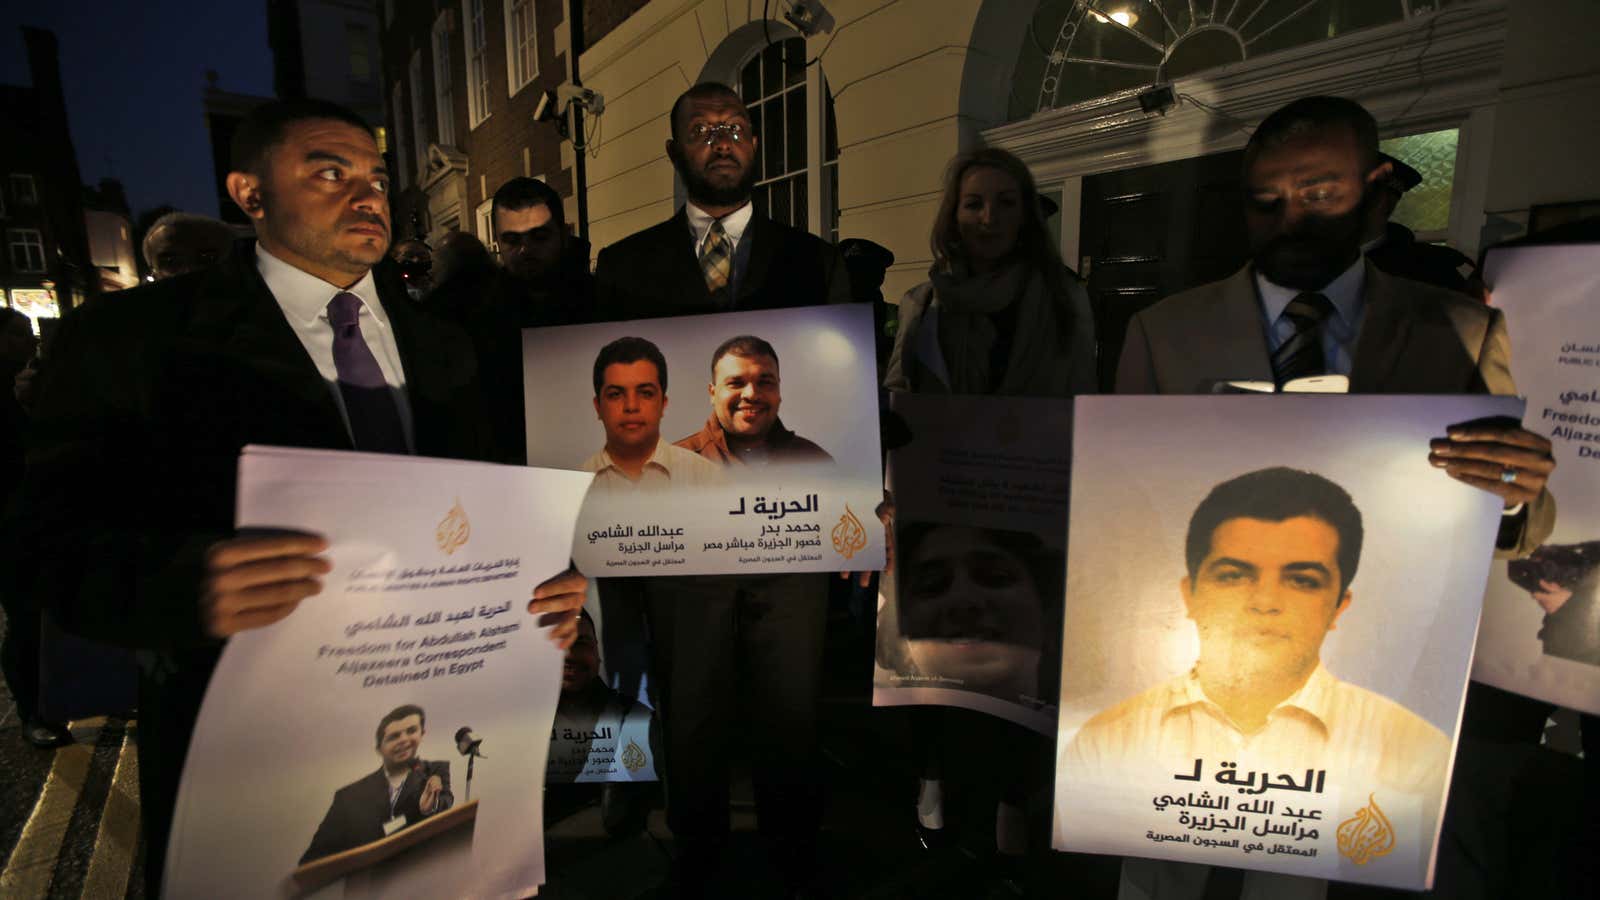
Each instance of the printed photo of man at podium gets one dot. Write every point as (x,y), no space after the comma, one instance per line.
(405,790)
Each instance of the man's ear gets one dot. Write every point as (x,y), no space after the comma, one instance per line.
(245,189)
(673,150)
(1186,590)
(1344,604)
(597,407)
(1380,172)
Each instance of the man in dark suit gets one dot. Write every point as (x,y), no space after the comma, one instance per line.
(303,337)
(731,655)
(405,790)
(1309,304)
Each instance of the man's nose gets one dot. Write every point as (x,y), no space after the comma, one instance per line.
(1265,601)
(366,196)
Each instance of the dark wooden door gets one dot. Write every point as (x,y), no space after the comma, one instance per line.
(1151,232)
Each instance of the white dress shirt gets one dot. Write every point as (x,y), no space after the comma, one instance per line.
(733,225)
(668,466)
(1338,332)
(304,299)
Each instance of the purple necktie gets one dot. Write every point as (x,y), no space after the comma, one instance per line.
(368,400)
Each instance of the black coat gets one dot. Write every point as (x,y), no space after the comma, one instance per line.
(655,272)
(359,810)
(143,405)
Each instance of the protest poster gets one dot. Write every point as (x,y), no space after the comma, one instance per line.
(971,616)
(1541,616)
(387,738)
(742,442)
(599,735)
(1270,612)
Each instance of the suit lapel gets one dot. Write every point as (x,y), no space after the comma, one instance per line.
(684,263)
(1235,340)
(1385,329)
(762,247)
(237,316)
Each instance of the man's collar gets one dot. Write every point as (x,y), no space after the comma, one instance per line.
(654,459)
(1344,292)
(733,223)
(304,297)
(1314,698)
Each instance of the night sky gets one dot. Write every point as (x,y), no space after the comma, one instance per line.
(133,75)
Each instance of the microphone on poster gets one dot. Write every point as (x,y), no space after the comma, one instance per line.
(471,746)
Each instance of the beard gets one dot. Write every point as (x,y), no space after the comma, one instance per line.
(704,193)
(1317,251)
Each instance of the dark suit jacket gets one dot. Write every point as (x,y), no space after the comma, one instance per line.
(655,272)
(358,811)
(142,408)
(1414,339)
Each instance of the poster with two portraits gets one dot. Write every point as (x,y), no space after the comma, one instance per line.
(733,443)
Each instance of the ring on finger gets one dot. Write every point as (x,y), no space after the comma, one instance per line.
(1508,475)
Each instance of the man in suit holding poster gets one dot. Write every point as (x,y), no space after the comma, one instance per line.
(1309,304)
(730,653)
(303,337)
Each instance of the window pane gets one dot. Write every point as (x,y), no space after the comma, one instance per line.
(802,216)
(780,201)
(758,199)
(795,101)
(772,69)
(794,71)
(771,146)
(1426,207)
(751,81)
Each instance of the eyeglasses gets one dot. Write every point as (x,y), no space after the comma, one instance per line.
(708,134)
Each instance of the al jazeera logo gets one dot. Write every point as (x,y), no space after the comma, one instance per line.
(633,758)
(1366,835)
(453,530)
(849,536)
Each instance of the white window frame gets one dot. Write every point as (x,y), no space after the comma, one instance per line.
(443,89)
(819,187)
(398,136)
(26,191)
(419,115)
(473,28)
(483,217)
(519,75)
(29,241)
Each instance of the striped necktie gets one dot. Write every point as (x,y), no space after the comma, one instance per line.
(716,263)
(1301,355)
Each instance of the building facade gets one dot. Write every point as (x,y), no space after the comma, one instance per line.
(463,80)
(46,268)
(109,226)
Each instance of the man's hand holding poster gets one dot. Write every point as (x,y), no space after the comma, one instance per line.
(388,737)
(735,443)
(1541,618)
(1270,611)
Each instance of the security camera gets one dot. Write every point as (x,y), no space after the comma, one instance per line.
(553,104)
(809,17)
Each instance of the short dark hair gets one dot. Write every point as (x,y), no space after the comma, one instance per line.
(1312,114)
(745,345)
(705,90)
(264,127)
(395,715)
(1275,495)
(522,193)
(626,350)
